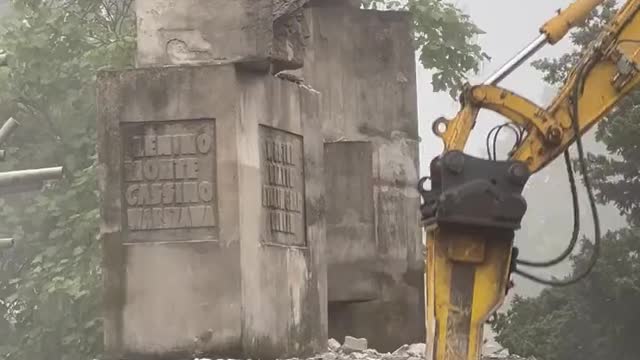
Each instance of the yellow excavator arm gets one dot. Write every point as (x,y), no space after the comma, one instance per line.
(475,205)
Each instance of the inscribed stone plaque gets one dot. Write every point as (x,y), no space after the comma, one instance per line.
(170,180)
(282,172)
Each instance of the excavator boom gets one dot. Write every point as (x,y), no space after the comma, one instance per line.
(474,206)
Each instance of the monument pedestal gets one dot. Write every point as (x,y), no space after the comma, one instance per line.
(212,221)
(363,63)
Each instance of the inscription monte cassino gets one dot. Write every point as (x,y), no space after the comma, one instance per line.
(165,185)
(282,191)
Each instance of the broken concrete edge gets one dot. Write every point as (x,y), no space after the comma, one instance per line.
(170,32)
(255,64)
(285,7)
(277,41)
(244,64)
(290,34)
(249,65)
(291,30)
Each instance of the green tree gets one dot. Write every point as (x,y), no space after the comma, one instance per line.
(50,282)
(548,223)
(444,38)
(596,318)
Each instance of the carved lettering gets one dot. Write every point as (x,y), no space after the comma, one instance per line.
(165,169)
(167,145)
(205,191)
(150,145)
(136,146)
(169,179)
(282,187)
(169,193)
(150,170)
(186,168)
(203,141)
(171,217)
(133,170)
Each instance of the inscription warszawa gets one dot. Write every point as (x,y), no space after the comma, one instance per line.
(282,186)
(168,185)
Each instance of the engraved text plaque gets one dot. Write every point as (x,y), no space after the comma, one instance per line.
(170,180)
(282,170)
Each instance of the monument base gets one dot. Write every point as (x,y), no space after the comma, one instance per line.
(211,186)
(363,63)
(387,324)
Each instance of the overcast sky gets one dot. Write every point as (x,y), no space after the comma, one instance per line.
(509,25)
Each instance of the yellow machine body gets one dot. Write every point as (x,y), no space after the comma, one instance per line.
(469,272)
(468,266)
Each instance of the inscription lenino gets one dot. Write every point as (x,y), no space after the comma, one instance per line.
(169,176)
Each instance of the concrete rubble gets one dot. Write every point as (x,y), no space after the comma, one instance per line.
(352,349)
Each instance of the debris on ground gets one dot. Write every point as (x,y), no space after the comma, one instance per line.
(334,345)
(352,345)
(356,349)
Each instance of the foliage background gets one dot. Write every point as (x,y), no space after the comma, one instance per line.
(50,286)
(445,39)
(598,318)
(50,281)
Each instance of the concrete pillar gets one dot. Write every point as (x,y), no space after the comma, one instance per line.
(212,224)
(363,63)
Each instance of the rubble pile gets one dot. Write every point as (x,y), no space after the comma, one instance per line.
(357,349)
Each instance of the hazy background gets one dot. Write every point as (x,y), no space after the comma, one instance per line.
(510,26)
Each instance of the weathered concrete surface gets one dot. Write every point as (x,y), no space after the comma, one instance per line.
(200,31)
(212,218)
(285,7)
(363,64)
(351,222)
(256,33)
(416,351)
(290,33)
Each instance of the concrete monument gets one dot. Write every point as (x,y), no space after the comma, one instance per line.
(212,224)
(212,174)
(362,61)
